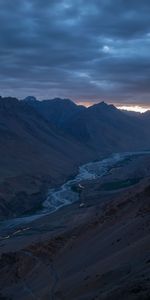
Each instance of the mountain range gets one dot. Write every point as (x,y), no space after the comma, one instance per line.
(102,127)
(42,143)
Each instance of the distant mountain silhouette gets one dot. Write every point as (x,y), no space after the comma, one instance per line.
(101,126)
(57,111)
(131,113)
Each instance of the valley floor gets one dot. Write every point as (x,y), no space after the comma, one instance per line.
(98,251)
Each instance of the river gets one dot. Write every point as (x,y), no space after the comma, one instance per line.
(68,193)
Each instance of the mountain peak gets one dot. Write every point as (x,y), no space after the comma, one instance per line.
(30,98)
(62,101)
(102,106)
(8,101)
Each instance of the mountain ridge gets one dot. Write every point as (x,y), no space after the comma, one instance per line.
(43,143)
(84,123)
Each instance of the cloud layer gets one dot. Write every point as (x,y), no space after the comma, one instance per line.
(82,49)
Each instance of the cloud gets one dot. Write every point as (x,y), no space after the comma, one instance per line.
(83,49)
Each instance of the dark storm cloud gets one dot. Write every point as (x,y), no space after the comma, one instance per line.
(84,49)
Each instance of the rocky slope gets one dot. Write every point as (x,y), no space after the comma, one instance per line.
(101,251)
(34,155)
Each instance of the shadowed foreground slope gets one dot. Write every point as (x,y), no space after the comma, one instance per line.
(101,251)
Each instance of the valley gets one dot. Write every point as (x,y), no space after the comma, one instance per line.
(43,143)
(74,201)
(74,150)
(87,252)
(71,191)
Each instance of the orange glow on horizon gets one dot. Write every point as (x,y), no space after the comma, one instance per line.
(85,103)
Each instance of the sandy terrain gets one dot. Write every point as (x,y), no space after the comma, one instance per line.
(99,251)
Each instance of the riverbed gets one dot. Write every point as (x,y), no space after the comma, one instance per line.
(69,192)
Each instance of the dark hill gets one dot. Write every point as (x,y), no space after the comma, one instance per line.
(34,155)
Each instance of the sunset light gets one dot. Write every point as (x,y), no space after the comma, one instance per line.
(86,103)
(135,108)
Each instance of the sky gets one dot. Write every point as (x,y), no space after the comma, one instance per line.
(85,50)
